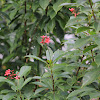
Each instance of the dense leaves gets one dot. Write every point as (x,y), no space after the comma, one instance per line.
(65,65)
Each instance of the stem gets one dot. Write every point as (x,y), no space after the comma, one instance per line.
(92,10)
(79,67)
(52,82)
(92,55)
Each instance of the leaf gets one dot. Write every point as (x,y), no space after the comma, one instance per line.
(2,79)
(81,29)
(94,95)
(5,60)
(27,80)
(31,56)
(51,13)
(97,40)
(77,92)
(8,96)
(40,83)
(24,70)
(90,76)
(6,91)
(56,6)
(39,90)
(81,42)
(97,59)
(35,5)
(5,15)
(51,25)
(44,3)
(89,48)
(97,26)
(57,55)
(36,77)
(49,54)
(64,4)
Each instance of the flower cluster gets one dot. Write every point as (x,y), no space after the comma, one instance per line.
(10,73)
(45,39)
(73,11)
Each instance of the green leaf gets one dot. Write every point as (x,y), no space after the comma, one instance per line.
(51,25)
(49,54)
(90,76)
(81,29)
(94,95)
(97,26)
(44,3)
(24,70)
(39,90)
(56,6)
(81,42)
(36,77)
(51,13)
(31,56)
(5,60)
(89,48)
(9,96)
(5,15)
(97,40)
(40,83)
(77,92)
(64,4)
(27,80)
(35,5)
(97,59)
(2,79)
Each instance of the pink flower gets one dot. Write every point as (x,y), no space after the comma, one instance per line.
(17,77)
(7,72)
(45,39)
(72,9)
(43,36)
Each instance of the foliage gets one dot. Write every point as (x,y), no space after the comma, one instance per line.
(48,71)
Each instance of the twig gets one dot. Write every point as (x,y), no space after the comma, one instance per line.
(92,10)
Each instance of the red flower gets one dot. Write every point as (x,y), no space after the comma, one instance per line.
(72,9)
(7,72)
(45,39)
(43,36)
(17,77)
(10,74)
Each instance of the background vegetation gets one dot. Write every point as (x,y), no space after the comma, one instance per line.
(66,68)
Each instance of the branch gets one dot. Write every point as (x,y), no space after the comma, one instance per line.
(92,10)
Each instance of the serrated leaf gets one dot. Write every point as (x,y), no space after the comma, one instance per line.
(90,76)
(31,56)
(24,70)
